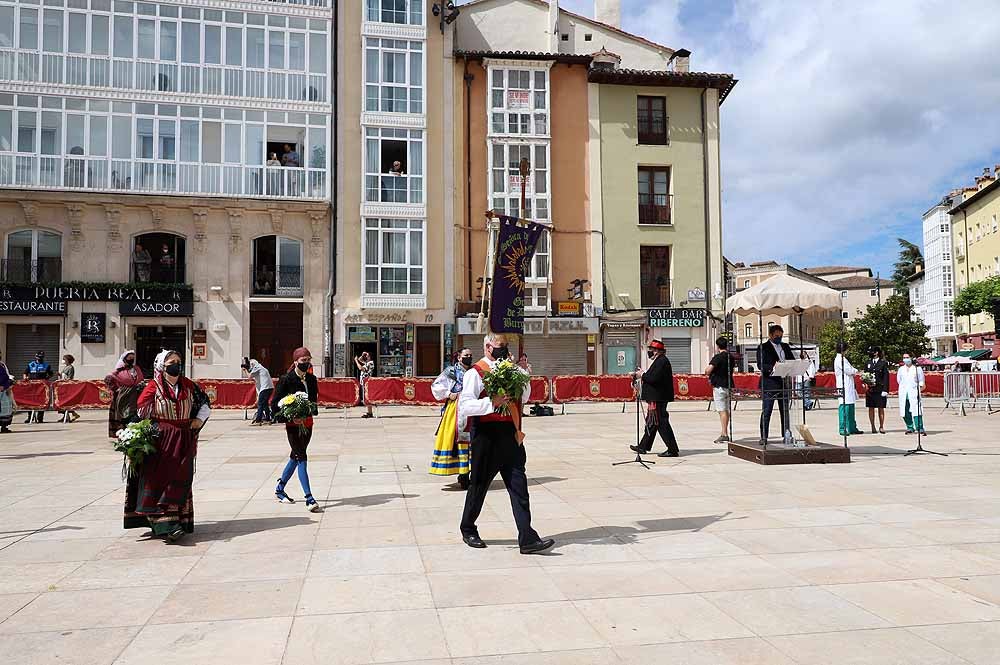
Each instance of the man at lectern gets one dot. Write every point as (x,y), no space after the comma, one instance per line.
(771,352)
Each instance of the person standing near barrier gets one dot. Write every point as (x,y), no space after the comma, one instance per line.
(7,405)
(451,444)
(878,391)
(264,386)
(125,384)
(299,433)
(845,373)
(37,370)
(658,391)
(910,379)
(67,374)
(720,375)
(366,369)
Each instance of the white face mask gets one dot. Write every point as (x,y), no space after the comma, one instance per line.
(907,361)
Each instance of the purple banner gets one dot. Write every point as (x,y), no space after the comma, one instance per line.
(515,247)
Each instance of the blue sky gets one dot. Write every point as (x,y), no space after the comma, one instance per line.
(851,118)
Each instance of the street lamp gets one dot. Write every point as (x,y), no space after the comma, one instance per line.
(447,11)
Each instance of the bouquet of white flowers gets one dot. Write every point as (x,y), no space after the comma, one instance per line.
(868,378)
(296,407)
(137,441)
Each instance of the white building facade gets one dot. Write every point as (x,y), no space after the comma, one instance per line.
(938,289)
(178,156)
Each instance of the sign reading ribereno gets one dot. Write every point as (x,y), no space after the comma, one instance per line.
(675,317)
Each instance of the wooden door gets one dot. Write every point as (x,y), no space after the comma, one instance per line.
(275,331)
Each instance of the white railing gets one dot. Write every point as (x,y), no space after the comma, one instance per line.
(972,389)
(158,176)
(151,75)
(383,301)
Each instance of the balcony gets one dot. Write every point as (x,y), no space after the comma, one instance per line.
(276,281)
(656,294)
(391,188)
(657,211)
(42,270)
(161,176)
(385,301)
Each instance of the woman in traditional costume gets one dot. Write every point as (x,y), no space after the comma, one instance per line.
(158,493)
(125,384)
(7,405)
(451,444)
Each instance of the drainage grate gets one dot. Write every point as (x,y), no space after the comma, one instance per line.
(384,468)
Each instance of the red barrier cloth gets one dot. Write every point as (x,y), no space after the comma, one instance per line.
(384,391)
(229,393)
(584,388)
(539,390)
(93,394)
(31,395)
(338,392)
(692,386)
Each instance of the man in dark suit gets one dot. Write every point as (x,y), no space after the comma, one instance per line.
(769,353)
(658,391)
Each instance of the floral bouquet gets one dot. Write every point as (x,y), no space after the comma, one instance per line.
(295,407)
(868,378)
(506,380)
(137,441)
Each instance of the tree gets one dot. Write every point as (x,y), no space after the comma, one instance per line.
(906,264)
(890,326)
(976,297)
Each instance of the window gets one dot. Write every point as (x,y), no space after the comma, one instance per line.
(394,165)
(654,276)
(654,195)
(746,283)
(33,255)
(537,280)
(844,314)
(748,330)
(277,267)
(394,76)
(505,180)
(873,293)
(158,257)
(519,101)
(651,117)
(588,37)
(394,257)
(395,11)
(944,228)
(843,294)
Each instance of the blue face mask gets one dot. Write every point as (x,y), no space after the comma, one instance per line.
(777,340)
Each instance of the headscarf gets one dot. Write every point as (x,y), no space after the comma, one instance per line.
(120,365)
(300,352)
(161,360)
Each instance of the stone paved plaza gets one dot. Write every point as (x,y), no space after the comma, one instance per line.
(705,560)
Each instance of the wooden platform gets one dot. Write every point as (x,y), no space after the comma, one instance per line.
(778,453)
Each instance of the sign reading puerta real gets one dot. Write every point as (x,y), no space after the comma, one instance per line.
(132,300)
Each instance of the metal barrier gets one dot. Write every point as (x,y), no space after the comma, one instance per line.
(972,389)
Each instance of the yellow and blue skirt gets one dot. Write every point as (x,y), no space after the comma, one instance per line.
(451,455)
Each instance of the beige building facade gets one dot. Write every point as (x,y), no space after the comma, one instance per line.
(859,288)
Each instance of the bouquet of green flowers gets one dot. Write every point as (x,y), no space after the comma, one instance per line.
(506,380)
(137,441)
(296,407)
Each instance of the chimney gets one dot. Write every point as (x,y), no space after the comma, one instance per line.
(985,179)
(681,60)
(608,11)
(605,60)
(553,27)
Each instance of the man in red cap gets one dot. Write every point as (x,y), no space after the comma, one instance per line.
(657,391)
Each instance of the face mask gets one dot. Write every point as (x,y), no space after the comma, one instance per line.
(500,353)
(777,340)
(650,354)
(173,370)
(303,367)
(466,361)
(129,363)
(907,361)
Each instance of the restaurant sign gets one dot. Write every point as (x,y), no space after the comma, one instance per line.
(675,317)
(84,293)
(155,308)
(32,308)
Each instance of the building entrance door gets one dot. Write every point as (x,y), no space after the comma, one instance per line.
(150,340)
(275,331)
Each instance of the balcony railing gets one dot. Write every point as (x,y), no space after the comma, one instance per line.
(278,281)
(656,294)
(657,212)
(389,188)
(161,176)
(152,75)
(42,270)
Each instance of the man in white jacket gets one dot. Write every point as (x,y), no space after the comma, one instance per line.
(845,373)
(911,381)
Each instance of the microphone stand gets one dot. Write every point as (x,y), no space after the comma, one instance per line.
(638,408)
(920,430)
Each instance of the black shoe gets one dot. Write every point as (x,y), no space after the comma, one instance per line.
(175,535)
(667,453)
(4,430)
(28,421)
(641,451)
(537,547)
(474,541)
(463,481)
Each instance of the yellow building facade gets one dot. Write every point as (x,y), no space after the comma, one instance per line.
(976,235)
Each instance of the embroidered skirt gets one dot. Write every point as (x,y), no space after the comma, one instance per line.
(451,455)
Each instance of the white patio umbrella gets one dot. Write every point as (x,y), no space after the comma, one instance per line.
(784,294)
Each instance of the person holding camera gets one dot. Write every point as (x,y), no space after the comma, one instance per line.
(265,388)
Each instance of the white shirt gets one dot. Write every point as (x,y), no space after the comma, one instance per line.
(780,350)
(469,402)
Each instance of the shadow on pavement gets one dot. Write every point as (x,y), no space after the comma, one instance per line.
(33,455)
(367,500)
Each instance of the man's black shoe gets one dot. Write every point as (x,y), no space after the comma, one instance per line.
(537,547)
(474,541)
(639,450)
(667,453)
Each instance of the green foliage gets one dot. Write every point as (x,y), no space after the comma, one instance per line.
(889,326)
(906,264)
(975,298)
(137,441)
(98,285)
(506,380)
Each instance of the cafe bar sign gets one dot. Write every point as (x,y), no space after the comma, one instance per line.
(676,317)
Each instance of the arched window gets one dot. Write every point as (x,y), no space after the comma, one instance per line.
(159,258)
(277,267)
(33,255)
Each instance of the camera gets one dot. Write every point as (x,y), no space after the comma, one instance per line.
(246,363)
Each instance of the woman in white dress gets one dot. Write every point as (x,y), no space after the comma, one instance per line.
(911,380)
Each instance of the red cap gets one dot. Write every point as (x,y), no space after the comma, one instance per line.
(658,345)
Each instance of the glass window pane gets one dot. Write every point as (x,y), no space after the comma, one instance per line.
(168,140)
(232,143)
(144,138)
(416,248)
(255,48)
(189,141)
(393,248)
(211,142)
(213,44)
(49,245)
(371,247)
(234,46)
(6,27)
(98,145)
(77,33)
(99,34)
(190,42)
(317,53)
(28,34)
(297,51)
(317,148)
(52,31)
(51,133)
(147,39)
(255,144)
(121,137)
(289,253)
(123,36)
(276,49)
(75,134)
(27,128)
(168,40)
(6,130)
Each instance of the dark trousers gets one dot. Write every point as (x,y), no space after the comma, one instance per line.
(773,391)
(658,420)
(264,406)
(494,450)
